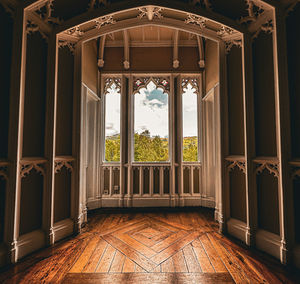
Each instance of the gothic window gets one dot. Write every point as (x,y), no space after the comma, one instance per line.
(190,141)
(112,104)
(151,119)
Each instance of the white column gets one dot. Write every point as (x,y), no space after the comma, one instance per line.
(15,140)
(283,137)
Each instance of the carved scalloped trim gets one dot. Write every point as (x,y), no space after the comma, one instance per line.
(193,81)
(4,172)
(241,165)
(59,164)
(26,168)
(233,42)
(271,167)
(142,82)
(295,172)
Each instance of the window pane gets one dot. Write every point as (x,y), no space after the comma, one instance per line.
(112,123)
(190,124)
(151,124)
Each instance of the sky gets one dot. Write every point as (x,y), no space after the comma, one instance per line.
(151,111)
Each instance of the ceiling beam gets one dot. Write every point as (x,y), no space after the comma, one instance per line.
(101,51)
(201,61)
(175,50)
(126,62)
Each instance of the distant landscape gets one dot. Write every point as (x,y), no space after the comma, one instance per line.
(150,149)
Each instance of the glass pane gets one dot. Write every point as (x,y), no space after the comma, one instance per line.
(151,124)
(190,124)
(112,124)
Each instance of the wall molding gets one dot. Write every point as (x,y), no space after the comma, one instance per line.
(268,242)
(63,229)
(238,229)
(271,164)
(28,164)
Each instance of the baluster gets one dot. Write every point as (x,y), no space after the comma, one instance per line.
(110,181)
(191,189)
(161,180)
(141,179)
(151,180)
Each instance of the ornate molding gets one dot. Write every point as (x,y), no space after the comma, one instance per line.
(110,81)
(96,4)
(260,17)
(40,18)
(162,82)
(61,162)
(28,165)
(236,163)
(69,44)
(271,165)
(233,42)
(150,12)
(204,3)
(196,20)
(225,31)
(4,170)
(105,20)
(75,31)
(193,81)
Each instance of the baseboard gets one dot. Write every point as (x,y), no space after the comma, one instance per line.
(30,242)
(155,201)
(237,229)
(296,256)
(268,242)
(3,255)
(63,229)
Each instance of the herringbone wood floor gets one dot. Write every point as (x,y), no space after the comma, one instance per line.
(178,247)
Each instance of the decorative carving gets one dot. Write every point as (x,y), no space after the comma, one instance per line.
(196,20)
(267,27)
(45,13)
(203,3)
(193,81)
(225,31)
(162,82)
(28,166)
(150,12)
(32,27)
(60,163)
(70,45)
(296,172)
(105,20)
(236,163)
(96,4)
(75,31)
(255,9)
(109,82)
(270,166)
(4,172)
(230,43)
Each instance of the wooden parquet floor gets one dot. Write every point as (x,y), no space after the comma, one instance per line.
(165,247)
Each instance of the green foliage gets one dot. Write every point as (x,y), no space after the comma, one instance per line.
(112,148)
(190,149)
(150,149)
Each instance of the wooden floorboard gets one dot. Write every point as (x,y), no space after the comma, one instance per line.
(149,247)
(161,278)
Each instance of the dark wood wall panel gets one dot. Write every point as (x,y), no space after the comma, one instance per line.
(151,59)
(2,206)
(297,209)
(238,208)
(64,102)
(31,210)
(5,70)
(293,45)
(235,101)
(35,96)
(264,97)
(62,195)
(268,206)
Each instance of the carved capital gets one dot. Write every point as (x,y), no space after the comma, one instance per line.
(230,43)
